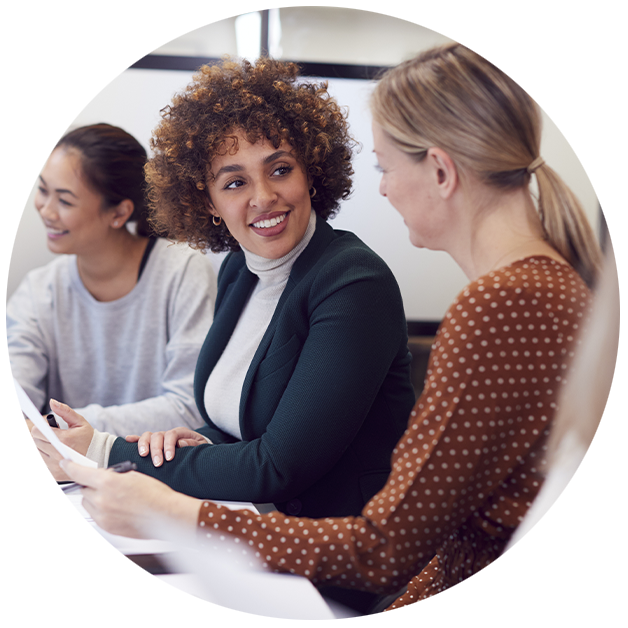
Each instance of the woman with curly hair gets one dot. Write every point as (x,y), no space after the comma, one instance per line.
(458,143)
(304,377)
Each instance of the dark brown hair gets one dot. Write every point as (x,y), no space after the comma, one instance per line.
(263,100)
(112,162)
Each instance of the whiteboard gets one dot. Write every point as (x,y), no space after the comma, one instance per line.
(429,280)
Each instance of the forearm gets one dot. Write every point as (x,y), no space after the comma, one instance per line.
(157,413)
(27,345)
(334,551)
(233,472)
(31,371)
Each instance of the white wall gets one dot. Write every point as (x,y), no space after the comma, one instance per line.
(429,280)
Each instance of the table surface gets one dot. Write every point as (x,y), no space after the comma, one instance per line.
(218,580)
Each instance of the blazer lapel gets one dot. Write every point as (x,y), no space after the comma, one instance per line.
(323,235)
(225,319)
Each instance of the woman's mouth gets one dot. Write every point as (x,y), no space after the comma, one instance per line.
(268,227)
(266,224)
(54,234)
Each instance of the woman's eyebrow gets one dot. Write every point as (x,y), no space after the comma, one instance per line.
(238,168)
(58,190)
(229,168)
(276,155)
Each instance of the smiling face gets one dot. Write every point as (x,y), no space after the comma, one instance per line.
(262,194)
(71,211)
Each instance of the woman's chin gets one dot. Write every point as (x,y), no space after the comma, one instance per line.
(57,244)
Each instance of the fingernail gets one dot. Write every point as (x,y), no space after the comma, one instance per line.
(54,401)
(156,461)
(62,463)
(168,455)
(142,451)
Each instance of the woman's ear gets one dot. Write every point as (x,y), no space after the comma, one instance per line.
(444,170)
(121,213)
(210,207)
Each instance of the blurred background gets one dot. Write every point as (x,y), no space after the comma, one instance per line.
(573,60)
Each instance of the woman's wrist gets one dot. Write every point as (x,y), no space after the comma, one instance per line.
(184,510)
(100,448)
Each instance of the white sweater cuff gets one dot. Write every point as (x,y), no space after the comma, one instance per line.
(100,448)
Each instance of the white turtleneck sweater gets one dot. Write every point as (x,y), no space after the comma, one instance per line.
(224,386)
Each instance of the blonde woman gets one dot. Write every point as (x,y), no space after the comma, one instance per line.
(458,143)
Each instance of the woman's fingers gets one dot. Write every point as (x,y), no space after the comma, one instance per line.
(157,448)
(132,438)
(79,473)
(172,440)
(49,454)
(72,418)
(143,443)
(162,445)
(181,437)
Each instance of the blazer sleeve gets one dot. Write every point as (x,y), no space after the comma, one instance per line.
(355,326)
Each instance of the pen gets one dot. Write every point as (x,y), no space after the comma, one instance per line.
(120,467)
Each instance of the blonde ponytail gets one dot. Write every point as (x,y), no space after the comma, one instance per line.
(452,98)
(566,225)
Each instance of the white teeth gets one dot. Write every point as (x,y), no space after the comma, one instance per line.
(265,224)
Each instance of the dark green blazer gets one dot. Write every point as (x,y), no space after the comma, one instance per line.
(326,397)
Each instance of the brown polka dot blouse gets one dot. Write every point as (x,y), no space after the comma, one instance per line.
(469,464)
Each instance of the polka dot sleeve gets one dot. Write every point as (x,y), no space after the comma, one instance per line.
(469,464)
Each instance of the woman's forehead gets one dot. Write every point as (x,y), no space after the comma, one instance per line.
(237,146)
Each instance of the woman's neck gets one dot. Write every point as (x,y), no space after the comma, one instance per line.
(110,271)
(502,227)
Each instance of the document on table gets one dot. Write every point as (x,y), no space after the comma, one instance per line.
(29,409)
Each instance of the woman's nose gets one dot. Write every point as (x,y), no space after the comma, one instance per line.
(45,208)
(263,195)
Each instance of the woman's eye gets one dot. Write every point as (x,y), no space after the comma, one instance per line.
(282,170)
(379,169)
(64,202)
(232,185)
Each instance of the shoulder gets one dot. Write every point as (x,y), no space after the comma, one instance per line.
(347,275)
(178,258)
(530,294)
(344,257)
(59,270)
(43,289)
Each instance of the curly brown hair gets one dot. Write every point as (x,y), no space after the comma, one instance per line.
(263,100)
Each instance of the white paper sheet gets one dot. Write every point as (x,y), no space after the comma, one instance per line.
(29,409)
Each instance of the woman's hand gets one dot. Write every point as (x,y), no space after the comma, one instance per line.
(160,444)
(127,503)
(78,436)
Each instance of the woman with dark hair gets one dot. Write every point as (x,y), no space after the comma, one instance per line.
(458,143)
(304,377)
(113,326)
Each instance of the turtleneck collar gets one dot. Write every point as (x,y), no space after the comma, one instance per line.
(273,268)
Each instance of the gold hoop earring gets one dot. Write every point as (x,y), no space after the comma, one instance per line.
(217,220)
(313,194)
